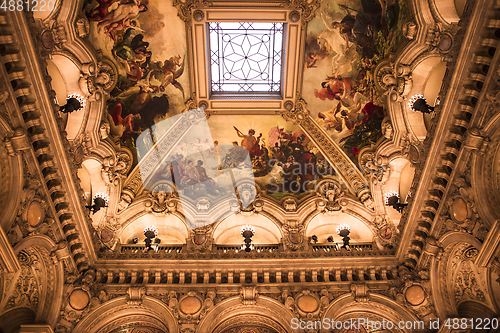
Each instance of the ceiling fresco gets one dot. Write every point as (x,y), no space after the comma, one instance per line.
(284,160)
(345,42)
(146,42)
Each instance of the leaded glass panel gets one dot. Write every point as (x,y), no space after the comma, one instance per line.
(246,56)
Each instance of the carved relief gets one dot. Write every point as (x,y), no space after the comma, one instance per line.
(201,238)
(394,80)
(330,194)
(184,7)
(360,292)
(81,295)
(294,235)
(34,286)
(53,35)
(308,8)
(440,37)
(290,205)
(307,304)
(249,295)
(26,292)
(82,27)
(115,170)
(467,286)
(125,201)
(103,79)
(462,214)
(160,203)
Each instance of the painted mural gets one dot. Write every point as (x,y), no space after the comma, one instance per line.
(284,160)
(345,42)
(147,42)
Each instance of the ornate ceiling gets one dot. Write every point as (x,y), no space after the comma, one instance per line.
(325,150)
(318,136)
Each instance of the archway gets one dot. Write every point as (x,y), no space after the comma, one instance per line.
(324,226)
(36,288)
(459,285)
(377,309)
(228,231)
(11,178)
(232,315)
(171,230)
(11,321)
(117,314)
(421,74)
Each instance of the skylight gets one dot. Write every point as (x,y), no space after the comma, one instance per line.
(245,57)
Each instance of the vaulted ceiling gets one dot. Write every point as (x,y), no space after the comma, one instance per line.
(176,134)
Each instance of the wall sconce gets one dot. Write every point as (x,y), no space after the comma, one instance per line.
(100,200)
(419,103)
(392,199)
(150,232)
(247,232)
(74,102)
(343,231)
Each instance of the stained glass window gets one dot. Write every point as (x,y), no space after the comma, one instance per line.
(245,57)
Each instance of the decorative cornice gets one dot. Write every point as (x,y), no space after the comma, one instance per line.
(443,145)
(48,148)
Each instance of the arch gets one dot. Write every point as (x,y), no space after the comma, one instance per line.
(393,184)
(267,311)
(472,309)
(11,321)
(71,82)
(53,287)
(85,183)
(345,307)
(421,72)
(447,10)
(11,178)
(433,87)
(324,225)
(38,284)
(456,279)
(171,229)
(494,285)
(118,312)
(46,15)
(98,185)
(485,181)
(57,83)
(228,231)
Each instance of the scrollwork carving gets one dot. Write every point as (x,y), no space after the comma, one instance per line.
(249,295)
(115,171)
(307,7)
(184,7)
(294,235)
(160,203)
